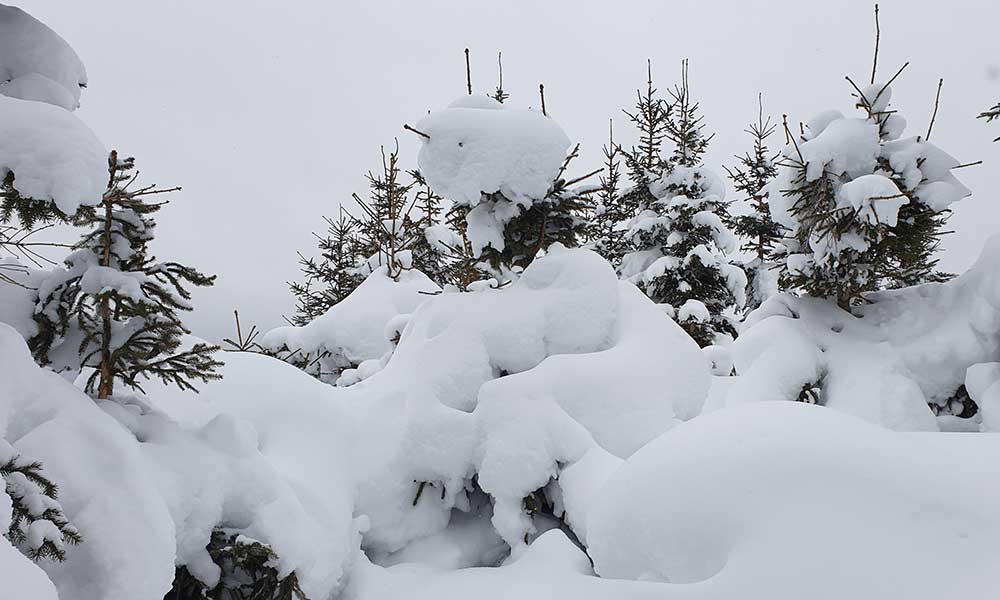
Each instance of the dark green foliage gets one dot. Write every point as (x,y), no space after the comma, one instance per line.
(248,573)
(651,118)
(991,114)
(121,301)
(429,259)
(28,211)
(34,498)
(684,125)
(333,276)
(611,213)
(559,217)
(756,169)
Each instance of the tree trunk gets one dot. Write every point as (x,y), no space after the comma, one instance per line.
(107,382)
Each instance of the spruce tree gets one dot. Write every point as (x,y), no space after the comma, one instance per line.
(382,233)
(750,178)
(611,215)
(680,234)
(559,216)
(644,163)
(333,276)
(864,206)
(428,237)
(119,300)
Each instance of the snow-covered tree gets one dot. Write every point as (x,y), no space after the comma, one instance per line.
(761,234)
(504,170)
(116,304)
(680,235)
(611,214)
(864,206)
(330,278)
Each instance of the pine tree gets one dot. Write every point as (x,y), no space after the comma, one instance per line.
(121,302)
(750,178)
(680,234)
(428,236)
(382,233)
(866,210)
(333,276)
(990,114)
(560,216)
(611,215)
(644,163)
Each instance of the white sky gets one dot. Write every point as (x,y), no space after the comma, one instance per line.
(269,113)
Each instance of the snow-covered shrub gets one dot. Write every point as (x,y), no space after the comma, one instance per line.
(909,348)
(353,330)
(38,525)
(863,205)
(503,169)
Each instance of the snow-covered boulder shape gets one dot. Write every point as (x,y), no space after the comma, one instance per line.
(479,146)
(145,493)
(353,330)
(104,486)
(567,366)
(52,154)
(37,64)
(789,501)
(908,348)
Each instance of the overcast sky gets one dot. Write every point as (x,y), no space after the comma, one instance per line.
(269,113)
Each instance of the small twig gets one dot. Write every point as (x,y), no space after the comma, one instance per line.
(937,99)
(468,72)
(971,164)
(416,131)
(541,92)
(878,34)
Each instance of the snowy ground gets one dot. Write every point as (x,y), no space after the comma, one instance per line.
(488,398)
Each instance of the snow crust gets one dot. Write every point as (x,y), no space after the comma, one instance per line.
(37,64)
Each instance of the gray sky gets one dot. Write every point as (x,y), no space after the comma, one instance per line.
(269,113)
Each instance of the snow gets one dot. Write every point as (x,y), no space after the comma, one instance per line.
(353,330)
(479,146)
(852,510)
(875,197)
(52,154)
(37,64)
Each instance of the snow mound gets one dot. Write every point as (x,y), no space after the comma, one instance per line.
(505,389)
(37,64)
(353,330)
(906,349)
(478,146)
(52,154)
(851,509)
(145,492)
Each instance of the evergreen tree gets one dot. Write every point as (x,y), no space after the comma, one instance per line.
(864,206)
(333,276)
(560,216)
(121,302)
(750,178)
(680,234)
(992,113)
(427,236)
(611,215)
(644,163)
